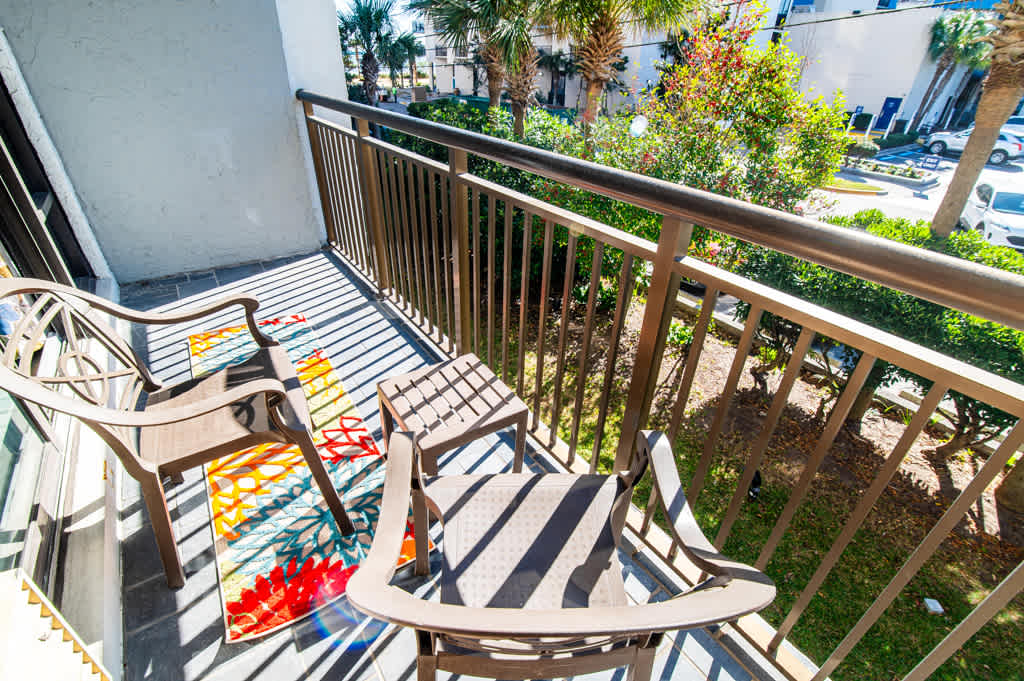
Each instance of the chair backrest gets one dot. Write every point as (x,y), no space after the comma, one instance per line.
(92,365)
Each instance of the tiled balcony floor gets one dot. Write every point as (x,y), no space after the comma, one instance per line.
(178,635)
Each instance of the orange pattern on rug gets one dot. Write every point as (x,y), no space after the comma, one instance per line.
(280,556)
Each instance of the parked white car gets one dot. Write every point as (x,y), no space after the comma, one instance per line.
(1007,146)
(998,214)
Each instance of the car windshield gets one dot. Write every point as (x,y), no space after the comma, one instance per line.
(1007,202)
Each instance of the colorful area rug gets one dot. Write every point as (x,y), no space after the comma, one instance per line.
(280,555)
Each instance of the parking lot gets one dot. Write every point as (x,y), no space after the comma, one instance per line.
(919,203)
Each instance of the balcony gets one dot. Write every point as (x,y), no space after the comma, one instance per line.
(416,272)
(179,635)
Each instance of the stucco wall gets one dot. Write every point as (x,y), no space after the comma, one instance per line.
(868,58)
(176,123)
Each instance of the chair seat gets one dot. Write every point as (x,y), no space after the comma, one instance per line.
(537,542)
(178,446)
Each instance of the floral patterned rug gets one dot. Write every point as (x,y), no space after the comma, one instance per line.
(280,555)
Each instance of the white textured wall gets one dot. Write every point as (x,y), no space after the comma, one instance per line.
(868,58)
(176,123)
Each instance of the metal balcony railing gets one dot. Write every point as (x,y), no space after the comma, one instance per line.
(426,234)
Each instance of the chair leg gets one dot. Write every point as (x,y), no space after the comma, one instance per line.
(323,481)
(387,421)
(421,523)
(517,462)
(160,520)
(641,669)
(426,657)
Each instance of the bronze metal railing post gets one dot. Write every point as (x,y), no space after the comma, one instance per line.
(372,214)
(661,300)
(321,178)
(458,162)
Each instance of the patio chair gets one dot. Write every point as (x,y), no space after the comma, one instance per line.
(93,375)
(531,586)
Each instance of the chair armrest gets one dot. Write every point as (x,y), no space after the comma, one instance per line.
(370,592)
(29,390)
(683,525)
(248,303)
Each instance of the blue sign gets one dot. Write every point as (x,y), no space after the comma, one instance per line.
(929,163)
(859,110)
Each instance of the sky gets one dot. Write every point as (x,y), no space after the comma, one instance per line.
(403,20)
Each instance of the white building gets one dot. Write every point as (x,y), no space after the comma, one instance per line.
(877,59)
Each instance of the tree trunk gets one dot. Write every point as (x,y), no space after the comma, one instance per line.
(865,398)
(1010,492)
(370,72)
(956,95)
(495,74)
(999,98)
(521,83)
(412,71)
(598,55)
(592,101)
(939,89)
(942,65)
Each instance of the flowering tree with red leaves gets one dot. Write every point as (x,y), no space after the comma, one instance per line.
(728,118)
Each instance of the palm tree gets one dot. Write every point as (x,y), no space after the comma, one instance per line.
(503,28)
(369,22)
(413,48)
(595,27)
(1000,95)
(393,55)
(457,21)
(956,39)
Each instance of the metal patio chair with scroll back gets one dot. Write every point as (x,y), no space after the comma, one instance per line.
(157,431)
(530,585)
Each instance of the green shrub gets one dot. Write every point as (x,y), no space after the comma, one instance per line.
(357,94)
(862,149)
(898,139)
(980,342)
(861,121)
(679,336)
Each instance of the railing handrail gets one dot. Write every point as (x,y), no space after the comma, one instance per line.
(984,291)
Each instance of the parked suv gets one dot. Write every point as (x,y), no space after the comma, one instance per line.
(998,213)
(1007,146)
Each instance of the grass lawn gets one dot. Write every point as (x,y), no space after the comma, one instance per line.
(959,576)
(840,183)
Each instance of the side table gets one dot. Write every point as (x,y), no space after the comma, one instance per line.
(450,404)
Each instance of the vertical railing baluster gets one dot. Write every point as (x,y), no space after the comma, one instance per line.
(372,207)
(475,199)
(524,300)
(457,164)
(402,281)
(545,281)
(506,273)
(409,237)
(490,281)
(588,330)
(926,549)
(563,332)
(316,149)
(621,305)
(661,300)
(724,405)
(700,332)
(771,420)
(446,190)
(828,436)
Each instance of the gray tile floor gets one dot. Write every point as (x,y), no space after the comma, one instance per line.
(178,635)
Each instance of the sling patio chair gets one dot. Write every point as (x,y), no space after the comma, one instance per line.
(531,586)
(95,376)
